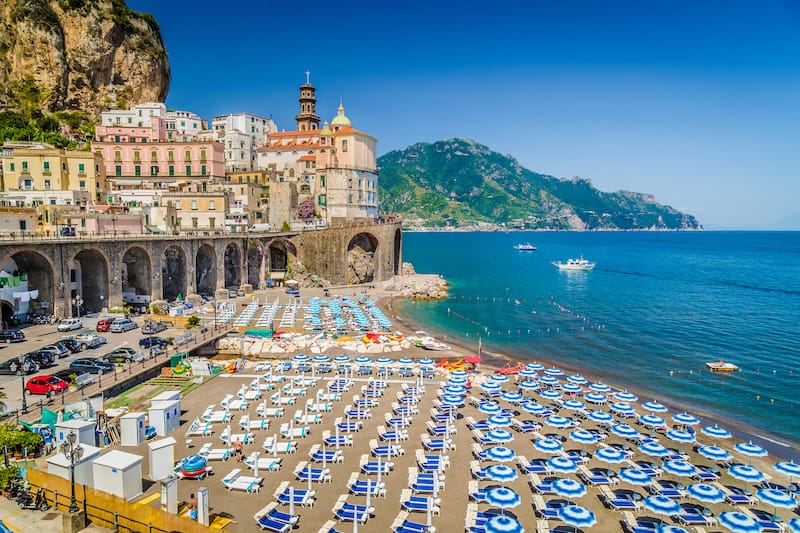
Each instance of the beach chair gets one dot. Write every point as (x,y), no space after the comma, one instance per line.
(294,432)
(764,519)
(214,454)
(542,510)
(667,489)
(372,467)
(248,425)
(263,463)
(393,434)
(476,494)
(284,494)
(592,478)
(402,524)
(247,484)
(318,455)
(348,512)
(270,444)
(385,450)
(611,501)
(229,438)
(423,504)
(199,428)
(311,418)
(268,524)
(436,445)
(303,472)
(360,487)
(735,495)
(217,417)
(272,511)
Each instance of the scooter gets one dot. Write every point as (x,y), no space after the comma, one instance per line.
(34,501)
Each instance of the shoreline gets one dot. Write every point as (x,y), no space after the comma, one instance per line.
(772,443)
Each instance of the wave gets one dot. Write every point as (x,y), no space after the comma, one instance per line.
(748,286)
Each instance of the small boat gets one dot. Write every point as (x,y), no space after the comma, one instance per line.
(575,264)
(722,366)
(527,247)
(430,344)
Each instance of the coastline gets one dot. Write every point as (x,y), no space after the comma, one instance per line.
(775,445)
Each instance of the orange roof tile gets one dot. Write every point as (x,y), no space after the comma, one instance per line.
(308,158)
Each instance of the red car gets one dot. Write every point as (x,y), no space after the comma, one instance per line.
(46,385)
(104,324)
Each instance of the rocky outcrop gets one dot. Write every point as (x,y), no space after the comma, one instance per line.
(79,55)
(417,287)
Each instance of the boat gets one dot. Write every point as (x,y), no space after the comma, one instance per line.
(527,247)
(722,366)
(430,344)
(575,264)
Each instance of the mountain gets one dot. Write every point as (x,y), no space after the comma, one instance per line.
(458,182)
(79,55)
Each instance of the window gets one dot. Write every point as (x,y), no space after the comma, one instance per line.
(171,155)
(188,155)
(194,204)
(171,170)
(116,138)
(177,204)
(188,170)
(23,225)
(154,170)
(47,185)
(46,167)
(27,185)
(349,198)
(202,155)
(183,123)
(322,200)
(118,170)
(211,205)
(53,201)
(344,146)
(81,169)
(24,166)
(203,170)
(240,179)
(82,185)
(83,223)
(322,181)
(117,155)
(137,170)
(137,155)
(153,155)
(212,223)
(11,167)
(194,222)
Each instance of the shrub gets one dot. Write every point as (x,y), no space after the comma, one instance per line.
(192,322)
(6,475)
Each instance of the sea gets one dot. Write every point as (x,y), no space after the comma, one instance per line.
(656,308)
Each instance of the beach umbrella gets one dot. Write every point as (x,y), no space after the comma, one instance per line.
(583,437)
(750,449)
(652,420)
(594,397)
(558,421)
(500,473)
(426,362)
(499,378)
(715,453)
(341,359)
(550,394)
(686,419)
(668,528)
(571,388)
(489,408)
(577,379)
(499,436)
(568,488)
(739,522)
(548,445)
(528,386)
(405,361)
(321,358)
(624,430)
(678,435)
(459,373)
(621,408)
(383,361)
(562,465)
(746,473)
(454,389)
(600,387)
(501,523)
(501,454)
(716,432)
(457,382)
(790,468)
(453,399)
(610,455)
(577,516)
(300,358)
(573,405)
(538,367)
(794,525)
(655,407)
(548,380)
(662,505)
(490,387)
(512,397)
(533,408)
(625,396)
(502,497)
(705,493)
(554,372)
(776,498)
(600,416)
(679,468)
(499,421)
(527,373)
(654,449)
(634,476)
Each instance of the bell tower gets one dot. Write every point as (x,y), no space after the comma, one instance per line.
(307,119)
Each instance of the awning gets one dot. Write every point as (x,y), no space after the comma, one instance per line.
(127,182)
(155,229)
(277,275)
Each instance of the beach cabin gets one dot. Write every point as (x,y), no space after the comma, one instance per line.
(161,455)
(167,396)
(165,416)
(132,429)
(118,473)
(59,465)
(84,429)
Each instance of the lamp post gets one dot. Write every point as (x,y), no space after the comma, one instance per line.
(78,302)
(73,453)
(22,378)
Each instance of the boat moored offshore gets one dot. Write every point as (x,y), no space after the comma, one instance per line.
(575,264)
(527,247)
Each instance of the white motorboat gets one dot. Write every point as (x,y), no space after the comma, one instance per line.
(575,264)
(527,247)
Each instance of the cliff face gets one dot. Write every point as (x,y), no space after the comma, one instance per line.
(79,55)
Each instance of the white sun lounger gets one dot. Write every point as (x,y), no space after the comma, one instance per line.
(264,463)
(235,481)
(199,428)
(283,446)
(214,454)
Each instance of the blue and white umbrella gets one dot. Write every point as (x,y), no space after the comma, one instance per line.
(548,380)
(609,455)
(501,473)
(499,378)
(527,373)
(489,408)
(634,476)
(571,388)
(491,387)
(651,420)
(563,465)
(558,421)
(679,435)
(577,516)
(686,419)
(528,386)
(716,432)
(655,407)
(548,445)
(577,379)
(499,421)
(715,453)
(705,493)
(776,498)
(341,359)
(550,394)
(321,358)
(554,372)
(600,387)
(501,454)
(512,397)
(363,360)
(538,367)
(533,408)
(501,523)
(750,449)
(459,373)
(405,361)
(669,528)
(624,430)
(502,497)
(595,397)
(499,436)
(662,505)
(746,473)
(453,399)
(426,362)
(600,416)
(679,468)
(654,449)
(583,437)
(790,468)
(457,382)
(568,488)
(739,522)
(573,405)
(794,525)
(300,358)
(622,408)
(454,389)
(625,396)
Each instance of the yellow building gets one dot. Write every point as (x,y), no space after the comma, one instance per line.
(17,220)
(42,167)
(198,211)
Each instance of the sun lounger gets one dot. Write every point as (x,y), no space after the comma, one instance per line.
(612,501)
(478,451)
(542,510)
(372,467)
(663,488)
(477,470)
(264,463)
(278,399)
(283,494)
(319,407)
(476,494)
(694,519)
(435,445)
(318,455)
(385,450)
(283,446)
(330,397)
(392,434)
(248,393)
(422,504)
(246,424)
(272,511)
(228,438)
(534,466)
(764,519)
(214,454)
(734,497)
(264,411)
(590,478)
(199,428)
(349,426)
(402,524)
(235,481)
(349,512)
(268,524)
(217,417)
(294,432)
(301,418)
(360,487)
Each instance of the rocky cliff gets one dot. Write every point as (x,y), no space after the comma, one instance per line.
(79,55)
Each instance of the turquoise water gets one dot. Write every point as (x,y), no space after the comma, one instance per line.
(654,311)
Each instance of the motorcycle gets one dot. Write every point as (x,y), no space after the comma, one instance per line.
(34,501)
(16,488)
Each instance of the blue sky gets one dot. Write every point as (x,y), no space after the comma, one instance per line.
(695,102)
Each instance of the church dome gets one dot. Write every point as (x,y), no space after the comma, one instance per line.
(325,131)
(340,119)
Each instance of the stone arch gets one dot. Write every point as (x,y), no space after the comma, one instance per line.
(40,276)
(7,312)
(233,266)
(397,257)
(91,281)
(173,273)
(281,253)
(255,257)
(205,269)
(136,271)
(361,253)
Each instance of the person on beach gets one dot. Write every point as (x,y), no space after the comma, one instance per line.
(237,450)
(193,507)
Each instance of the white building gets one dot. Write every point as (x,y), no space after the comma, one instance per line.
(242,134)
(168,125)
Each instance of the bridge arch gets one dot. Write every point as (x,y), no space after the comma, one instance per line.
(205,269)
(233,266)
(136,271)
(255,258)
(39,274)
(361,257)
(282,252)
(173,273)
(90,281)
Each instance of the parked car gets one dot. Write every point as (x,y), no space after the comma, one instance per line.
(12,335)
(46,385)
(12,366)
(155,341)
(155,327)
(124,355)
(90,340)
(92,366)
(103,324)
(121,325)
(58,350)
(45,358)
(69,324)
(71,344)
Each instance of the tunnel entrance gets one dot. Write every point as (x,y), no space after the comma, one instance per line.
(233,267)
(137,276)
(254,258)
(205,268)
(173,273)
(280,253)
(361,258)
(91,283)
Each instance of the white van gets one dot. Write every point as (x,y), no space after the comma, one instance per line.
(69,324)
(256,228)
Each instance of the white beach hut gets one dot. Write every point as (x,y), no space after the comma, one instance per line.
(161,455)
(59,465)
(165,416)
(118,473)
(132,429)
(84,429)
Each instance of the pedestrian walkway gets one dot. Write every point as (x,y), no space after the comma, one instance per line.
(20,520)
